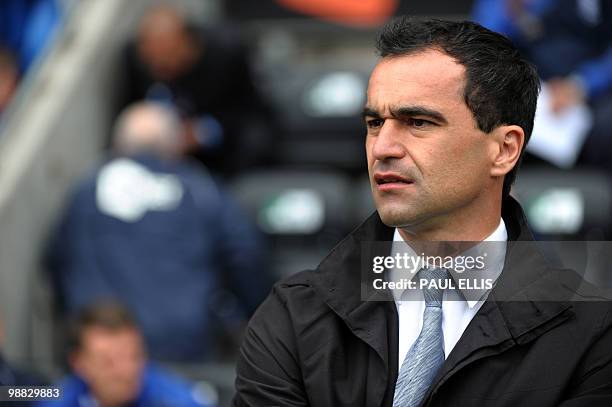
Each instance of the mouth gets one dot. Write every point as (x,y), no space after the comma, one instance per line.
(388,180)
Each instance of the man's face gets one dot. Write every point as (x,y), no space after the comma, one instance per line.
(427,160)
(111,362)
(167,53)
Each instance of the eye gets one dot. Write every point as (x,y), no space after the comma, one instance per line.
(374,123)
(419,123)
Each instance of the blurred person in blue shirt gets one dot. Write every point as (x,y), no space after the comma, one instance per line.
(156,232)
(110,367)
(570,42)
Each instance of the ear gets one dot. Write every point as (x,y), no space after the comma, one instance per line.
(507,144)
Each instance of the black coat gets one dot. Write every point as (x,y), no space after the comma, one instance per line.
(313,342)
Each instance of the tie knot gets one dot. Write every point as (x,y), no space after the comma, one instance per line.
(435,289)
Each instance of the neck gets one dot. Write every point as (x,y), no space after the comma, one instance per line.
(472,223)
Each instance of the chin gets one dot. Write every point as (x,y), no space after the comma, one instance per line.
(395,218)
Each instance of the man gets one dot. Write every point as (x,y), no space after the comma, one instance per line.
(156,232)
(108,359)
(206,76)
(450,107)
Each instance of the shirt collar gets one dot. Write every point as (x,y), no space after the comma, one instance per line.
(500,234)
(495,262)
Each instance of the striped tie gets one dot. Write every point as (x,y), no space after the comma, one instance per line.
(426,355)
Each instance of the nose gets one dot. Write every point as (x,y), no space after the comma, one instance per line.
(387,143)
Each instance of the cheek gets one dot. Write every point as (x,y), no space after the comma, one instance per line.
(135,368)
(369,143)
(458,163)
(478,155)
(472,164)
(430,159)
(88,367)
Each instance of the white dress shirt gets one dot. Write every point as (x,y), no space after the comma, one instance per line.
(456,311)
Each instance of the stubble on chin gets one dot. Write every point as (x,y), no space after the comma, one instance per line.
(397,216)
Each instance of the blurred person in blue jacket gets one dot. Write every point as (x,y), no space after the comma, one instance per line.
(155,232)
(110,367)
(570,42)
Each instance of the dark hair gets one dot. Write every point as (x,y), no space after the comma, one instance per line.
(108,315)
(501,86)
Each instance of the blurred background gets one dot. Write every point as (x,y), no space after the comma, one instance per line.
(179,157)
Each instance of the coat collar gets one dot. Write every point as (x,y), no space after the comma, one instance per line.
(528,293)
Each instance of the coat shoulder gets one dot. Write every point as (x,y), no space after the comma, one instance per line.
(297,293)
(593,316)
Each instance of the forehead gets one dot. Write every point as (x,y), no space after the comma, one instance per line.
(429,78)
(101,339)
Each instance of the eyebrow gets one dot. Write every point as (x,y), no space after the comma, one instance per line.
(368,111)
(407,111)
